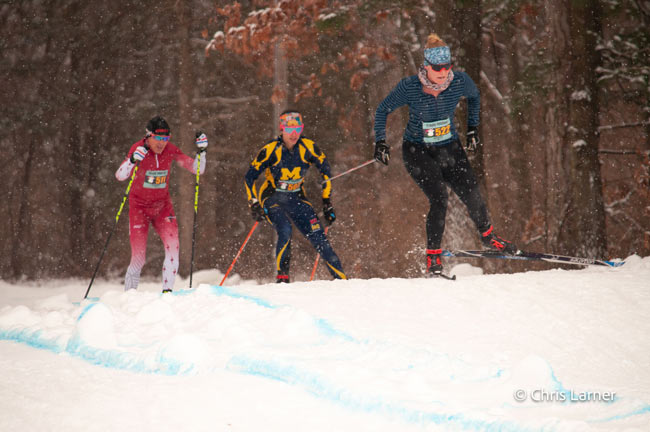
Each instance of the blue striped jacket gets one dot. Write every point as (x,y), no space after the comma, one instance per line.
(431,119)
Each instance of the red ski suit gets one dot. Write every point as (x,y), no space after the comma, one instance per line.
(150,203)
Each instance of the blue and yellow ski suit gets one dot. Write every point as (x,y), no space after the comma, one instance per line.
(283,198)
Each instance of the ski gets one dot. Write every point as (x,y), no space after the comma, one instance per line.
(445,276)
(448,277)
(530,256)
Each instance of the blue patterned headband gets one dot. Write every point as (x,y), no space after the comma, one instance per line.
(437,55)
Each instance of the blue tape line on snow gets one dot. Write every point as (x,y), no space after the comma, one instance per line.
(85,310)
(183,292)
(91,299)
(311,382)
(32,338)
(320,387)
(569,394)
(220,290)
(115,359)
(326,328)
(643,410)
(108,358)
(126,361)
(323,325)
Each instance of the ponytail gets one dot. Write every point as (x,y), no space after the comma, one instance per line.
(434,41)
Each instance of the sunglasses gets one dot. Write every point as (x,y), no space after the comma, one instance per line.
(161,137)
(292,129)
(440,67)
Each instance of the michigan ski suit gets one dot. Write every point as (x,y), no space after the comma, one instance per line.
(283,198)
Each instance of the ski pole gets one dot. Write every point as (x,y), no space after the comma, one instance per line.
(239,253)
(117,217)
(196,206)
(350,170)
(313,272)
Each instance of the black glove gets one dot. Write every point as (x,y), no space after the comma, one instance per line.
(328,211)
(257,211)
(382,152)
(472,139)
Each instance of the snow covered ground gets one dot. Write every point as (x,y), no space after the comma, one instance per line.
(555,351)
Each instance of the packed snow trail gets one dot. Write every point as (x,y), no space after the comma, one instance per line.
(420,353)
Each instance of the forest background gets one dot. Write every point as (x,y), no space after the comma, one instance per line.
(565,125)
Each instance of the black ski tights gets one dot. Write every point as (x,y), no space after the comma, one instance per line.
(433,168)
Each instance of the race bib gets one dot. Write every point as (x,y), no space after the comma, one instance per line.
(288,185)
(436,131)
(155,179)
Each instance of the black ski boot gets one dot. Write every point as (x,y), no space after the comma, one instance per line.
(494,242)
(166,290)
(434,264)
(282,278)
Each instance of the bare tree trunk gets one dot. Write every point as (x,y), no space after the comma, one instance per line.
(74,158)
(574,204)
(587,221)
(520,165)
(521,210)
(21,239)
(280,83)
(556,117)
(467,17)
(185,202)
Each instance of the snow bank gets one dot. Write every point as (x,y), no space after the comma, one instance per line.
(553,350)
